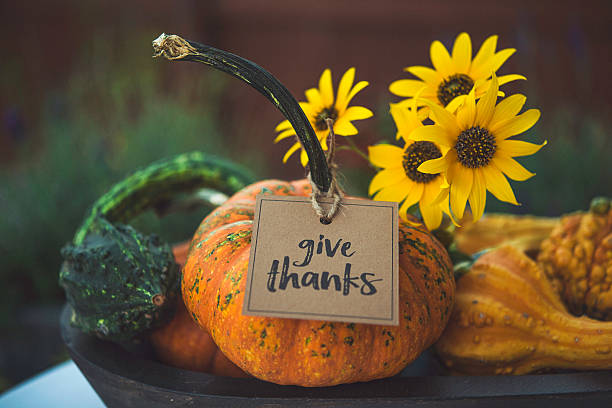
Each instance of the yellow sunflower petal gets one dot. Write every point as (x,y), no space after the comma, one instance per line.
(444,118)
(344,88)
(326,88)
(462,53)
(492,64)
(486,51)
(282,126)
(303,158)
(414,196)
(512,168)
(344,127)
(516,148)
(500,57)
(455,103)
(285,134)
(396,192)
(406,87)
(444,204)
(314,99)
(461,186)
(385,155)
(291,150)
(430,76)
(466,114)
(504,79)
(431,192)
(440,59)
(515,125)
(507,109)
(441,186)
(435,166)
(386,178)
(405,120)
(323,135)
(432,133)
(498,185)
(357,113)
(358,87)
(478,196)
(486,105)
(432,215)
(481,87)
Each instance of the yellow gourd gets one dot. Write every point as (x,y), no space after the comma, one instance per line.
(525,232)
(577,258)
(508,319)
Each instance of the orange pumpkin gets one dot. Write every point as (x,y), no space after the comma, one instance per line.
(307,352)
(183,344)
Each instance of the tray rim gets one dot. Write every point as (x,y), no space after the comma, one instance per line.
(109,359)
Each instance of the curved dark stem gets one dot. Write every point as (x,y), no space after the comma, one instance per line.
(174,48)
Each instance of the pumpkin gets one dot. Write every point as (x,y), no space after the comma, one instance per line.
(293,351)
(577,258)
(308,352)
(183,344)
(118,281)
(508,319)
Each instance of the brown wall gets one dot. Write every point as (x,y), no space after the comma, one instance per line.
(564,47)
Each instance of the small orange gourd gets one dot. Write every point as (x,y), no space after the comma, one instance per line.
(182,343)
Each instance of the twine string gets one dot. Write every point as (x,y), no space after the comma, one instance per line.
(334,191)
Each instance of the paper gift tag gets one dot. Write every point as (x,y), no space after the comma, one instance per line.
(343,271)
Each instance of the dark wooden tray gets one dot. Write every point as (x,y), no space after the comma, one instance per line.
(124,379)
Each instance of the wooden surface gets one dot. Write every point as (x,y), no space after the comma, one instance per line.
(122,379)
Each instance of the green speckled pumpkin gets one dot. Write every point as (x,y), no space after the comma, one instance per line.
(307,352)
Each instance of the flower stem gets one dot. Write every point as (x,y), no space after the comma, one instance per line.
(352,146)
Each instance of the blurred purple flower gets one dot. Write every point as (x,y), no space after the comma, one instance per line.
(14,124)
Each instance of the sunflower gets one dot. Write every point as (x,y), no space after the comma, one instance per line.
(478,154)
(454,76)
(399,180)
(322,105)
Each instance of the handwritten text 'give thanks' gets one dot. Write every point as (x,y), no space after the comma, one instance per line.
(298,278)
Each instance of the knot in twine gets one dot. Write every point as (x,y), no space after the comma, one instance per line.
(334,191)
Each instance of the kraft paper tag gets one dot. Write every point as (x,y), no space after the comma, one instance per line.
(345,271)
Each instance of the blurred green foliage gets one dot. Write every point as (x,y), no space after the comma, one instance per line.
(106,123)
(573,168)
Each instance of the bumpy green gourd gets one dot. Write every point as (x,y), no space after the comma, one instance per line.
(118,281)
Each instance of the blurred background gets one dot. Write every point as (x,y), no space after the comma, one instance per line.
(82,103)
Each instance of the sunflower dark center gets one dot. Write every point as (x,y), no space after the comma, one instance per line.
(326,113)
(453,86)
(416,154)
(476,147)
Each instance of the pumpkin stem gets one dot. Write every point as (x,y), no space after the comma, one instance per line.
(159,299)
(175,48)
(600,205)
(158,183)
